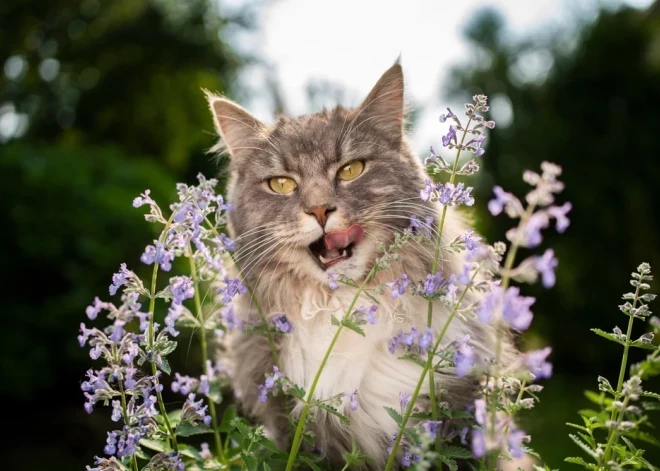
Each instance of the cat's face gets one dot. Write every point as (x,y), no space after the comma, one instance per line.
(319,194)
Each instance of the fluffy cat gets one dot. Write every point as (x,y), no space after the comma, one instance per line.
(280,230)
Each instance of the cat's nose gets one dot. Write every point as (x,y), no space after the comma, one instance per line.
(320,212)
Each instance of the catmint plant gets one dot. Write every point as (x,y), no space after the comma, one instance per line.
(608,434)
(130,342)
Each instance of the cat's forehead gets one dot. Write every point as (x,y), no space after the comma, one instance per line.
(308,144)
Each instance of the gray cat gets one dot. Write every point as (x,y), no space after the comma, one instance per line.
(317,195)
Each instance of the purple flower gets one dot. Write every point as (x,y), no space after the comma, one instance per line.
(271,380)
(531,230)
(116,411)
(144,320)
(159,255)
(478,443)
(94,310)
(205,452)
(398,286)
(194,411)
(471,241)
(182,384)
(480,412)
(120,278)
(454,195)
(229,318)
(465,278)
(489,124)
(425,193)
(227,243)
(451,136)
(141,200)
(426,339)
(409,338)
(546,265)
(181,289)
(131,352)
(419,227)
(352,399)
(433,283)
(431,428)
(559,213)
(129,380)
(263,393)
(406,460)
(537,364)
(515,440)
(464,356)
(445,117)
(233,287)
(404,400)
(173,313)
(394,342)
(110,448)
(475,145)
(515,309)
(502,198)
(334,277)
(85,333)
(369,313)
(283,324)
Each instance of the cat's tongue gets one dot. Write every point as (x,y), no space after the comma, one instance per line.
(337,240)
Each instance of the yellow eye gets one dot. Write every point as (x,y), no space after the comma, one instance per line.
(282,185)
(351,171)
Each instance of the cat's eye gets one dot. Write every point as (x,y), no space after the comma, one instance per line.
(351,171)
(282,185)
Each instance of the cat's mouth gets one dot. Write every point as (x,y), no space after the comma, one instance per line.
(336,246)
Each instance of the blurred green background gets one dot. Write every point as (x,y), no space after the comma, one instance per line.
(101,99)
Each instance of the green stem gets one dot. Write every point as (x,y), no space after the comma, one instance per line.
(425,370)
(434,267)
(613,434)
(310,394)
(506,280)
(123,405)
(154,369)
(269,335)
(202,332)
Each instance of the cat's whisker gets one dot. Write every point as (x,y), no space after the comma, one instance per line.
(280,246)
(413,244)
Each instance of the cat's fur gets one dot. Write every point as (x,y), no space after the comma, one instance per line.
(274,231)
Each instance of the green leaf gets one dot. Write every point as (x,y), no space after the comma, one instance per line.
(580,461)
(187,322)
(456,452)
(164,366)
(268,444)
(414,358)
(333,411)
(174,417)
(598,398)
(334,321)
(266,467)
(310,463)
(227,417)
(395,415)
(579,427)
(651,394)
(243,429)
(214,392)
(630,444)
(186,429)
(350,324)
(584,446)
(155,445)
(189,451)
(643,345)
(607,335)
(166,347)
(250,461)
(451,464)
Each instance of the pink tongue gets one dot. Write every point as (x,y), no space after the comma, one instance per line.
(342,239)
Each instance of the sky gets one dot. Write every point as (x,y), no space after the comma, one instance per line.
(350,43)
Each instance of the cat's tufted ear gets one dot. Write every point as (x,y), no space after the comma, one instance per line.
(238,129)
(384,105)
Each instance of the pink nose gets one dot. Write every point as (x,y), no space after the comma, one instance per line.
(321,212)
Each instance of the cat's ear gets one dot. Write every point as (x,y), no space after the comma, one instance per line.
(384,104)
(238,129)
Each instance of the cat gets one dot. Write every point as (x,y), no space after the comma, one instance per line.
(346,177)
